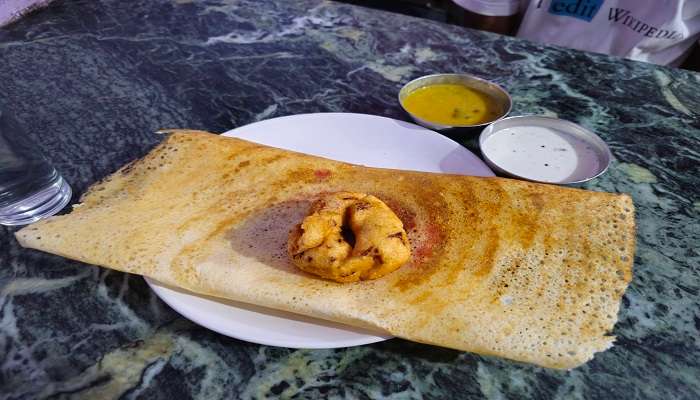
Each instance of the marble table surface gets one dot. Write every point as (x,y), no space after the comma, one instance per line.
(92,80)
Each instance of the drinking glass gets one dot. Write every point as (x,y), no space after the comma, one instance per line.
(30,187)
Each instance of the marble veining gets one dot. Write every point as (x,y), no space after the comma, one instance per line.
(92,80)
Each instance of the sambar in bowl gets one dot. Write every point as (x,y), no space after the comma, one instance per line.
(448,101)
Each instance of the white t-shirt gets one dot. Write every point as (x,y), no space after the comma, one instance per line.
(497,8)
(656,31)
(11,10)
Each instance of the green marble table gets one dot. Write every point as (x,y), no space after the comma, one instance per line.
(91,80)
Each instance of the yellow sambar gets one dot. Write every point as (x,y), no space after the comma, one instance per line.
(451,104)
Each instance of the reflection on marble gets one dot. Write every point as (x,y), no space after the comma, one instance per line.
(92,81)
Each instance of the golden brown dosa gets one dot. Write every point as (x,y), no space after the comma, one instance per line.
(502,267)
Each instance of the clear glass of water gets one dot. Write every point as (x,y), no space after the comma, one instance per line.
(30,187)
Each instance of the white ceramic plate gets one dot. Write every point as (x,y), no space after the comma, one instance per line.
(357,138)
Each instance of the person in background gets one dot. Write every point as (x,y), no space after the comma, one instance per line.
(663,32)
(499,16)
(12,10)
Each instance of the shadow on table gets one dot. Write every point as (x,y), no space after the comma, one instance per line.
(425,352)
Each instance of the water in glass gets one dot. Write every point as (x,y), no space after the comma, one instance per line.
(30,187)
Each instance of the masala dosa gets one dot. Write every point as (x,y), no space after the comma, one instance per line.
(525,271)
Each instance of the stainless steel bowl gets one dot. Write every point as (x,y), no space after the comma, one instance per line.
(596,155)
(497,93)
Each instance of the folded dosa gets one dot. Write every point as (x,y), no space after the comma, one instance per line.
(501,267)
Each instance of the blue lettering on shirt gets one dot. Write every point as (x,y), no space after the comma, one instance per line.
(581,9)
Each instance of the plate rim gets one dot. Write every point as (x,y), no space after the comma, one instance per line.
(365,338)
(420,129)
